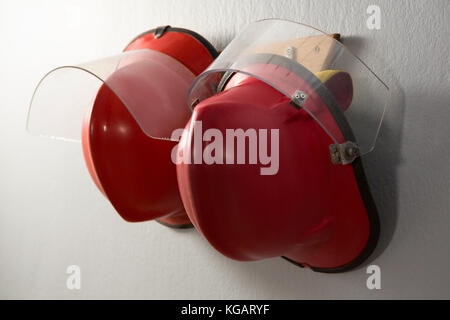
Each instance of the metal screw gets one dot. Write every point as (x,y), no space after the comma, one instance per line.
(299,95)
(351,151)
(291,53)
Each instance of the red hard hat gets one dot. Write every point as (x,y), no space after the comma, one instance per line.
(130,165)
(314,208)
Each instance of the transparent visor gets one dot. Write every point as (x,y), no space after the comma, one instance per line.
(151,85)
(316,71)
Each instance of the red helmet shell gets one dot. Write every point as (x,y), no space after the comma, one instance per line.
(134,171)
(312,212)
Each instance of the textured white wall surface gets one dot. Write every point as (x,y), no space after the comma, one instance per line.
(52,215)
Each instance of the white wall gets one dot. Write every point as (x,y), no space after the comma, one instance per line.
(51,214)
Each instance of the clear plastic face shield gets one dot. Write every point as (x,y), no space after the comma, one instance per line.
(299,61)
(151,85)
(305,64)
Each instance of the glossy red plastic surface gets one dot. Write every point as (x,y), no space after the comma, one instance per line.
(311,211)
(133,171)
(179,45)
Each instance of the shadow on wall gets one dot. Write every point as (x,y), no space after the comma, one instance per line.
(381,164)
